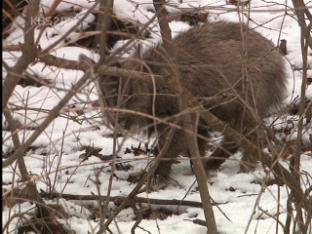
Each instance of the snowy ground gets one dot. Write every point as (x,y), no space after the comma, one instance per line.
(242,197)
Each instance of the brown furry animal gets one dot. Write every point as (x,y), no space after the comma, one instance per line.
(236,79)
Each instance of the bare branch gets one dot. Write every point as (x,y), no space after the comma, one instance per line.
(119,199)
(29,53)
(189,121)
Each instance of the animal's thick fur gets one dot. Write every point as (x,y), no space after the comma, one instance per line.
(232,73)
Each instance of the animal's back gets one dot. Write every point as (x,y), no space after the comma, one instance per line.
(213,59)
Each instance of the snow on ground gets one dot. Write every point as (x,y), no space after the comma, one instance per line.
(241,196)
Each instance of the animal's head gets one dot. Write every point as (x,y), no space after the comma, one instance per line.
(130,97)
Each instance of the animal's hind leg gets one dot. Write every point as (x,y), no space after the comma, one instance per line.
(227,148)
(249,129)
(247,162)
